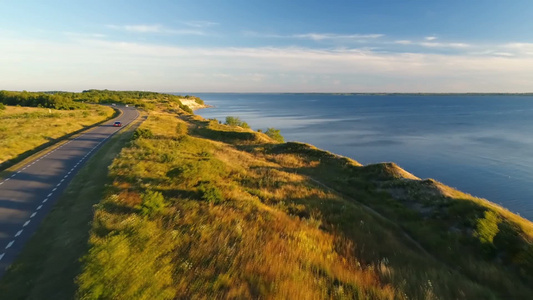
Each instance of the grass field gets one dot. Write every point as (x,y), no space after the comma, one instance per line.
(195,209)
(25,128)
(204,210)
(51,260)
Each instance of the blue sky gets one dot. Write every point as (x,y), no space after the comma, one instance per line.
(268,46)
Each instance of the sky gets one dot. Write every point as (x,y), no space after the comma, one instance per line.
(267,46)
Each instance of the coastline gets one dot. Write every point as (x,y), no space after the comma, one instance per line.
(192,104)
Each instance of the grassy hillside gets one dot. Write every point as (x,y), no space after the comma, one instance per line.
(25,128)
(198,209)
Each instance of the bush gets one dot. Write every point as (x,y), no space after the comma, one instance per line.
(142,133)
(275,134)
(2,106)
(152,204)
(487,228)
(211,194)
(236,121)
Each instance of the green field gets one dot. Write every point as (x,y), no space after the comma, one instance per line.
(22,129)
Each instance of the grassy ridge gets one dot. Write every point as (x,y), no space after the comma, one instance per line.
(179,222)
(25,128)
(201,210)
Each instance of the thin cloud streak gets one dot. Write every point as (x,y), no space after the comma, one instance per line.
(316,36)
(155,29)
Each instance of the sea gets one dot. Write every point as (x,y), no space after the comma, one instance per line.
(481,145)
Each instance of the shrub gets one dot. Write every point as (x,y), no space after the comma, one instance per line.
(211,193)
(186,108)
(487,228)
(236,121)
(2,106)
(152,204)
(142,133)
(275,134)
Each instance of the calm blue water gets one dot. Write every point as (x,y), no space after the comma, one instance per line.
(480,145)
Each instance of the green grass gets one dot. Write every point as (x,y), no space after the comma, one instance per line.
(286,221)
(197,209)
(23,129)
(50,261)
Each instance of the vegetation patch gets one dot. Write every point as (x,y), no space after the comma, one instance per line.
(25,128)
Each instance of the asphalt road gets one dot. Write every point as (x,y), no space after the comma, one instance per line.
(28,194)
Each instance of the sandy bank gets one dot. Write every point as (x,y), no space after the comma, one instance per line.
(193,104)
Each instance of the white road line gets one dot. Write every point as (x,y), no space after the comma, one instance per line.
(49,195)
(33,215)
(18,233)
(54,189)
(44,201)
(2,256)
(10,244)
(1,183)
(65,176)
(58,184)
(7,179)
(26,224)
(62,180)
(19,172)
(39,207)
(13,175)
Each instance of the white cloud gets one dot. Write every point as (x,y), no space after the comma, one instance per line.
(97,63)
(430,38)
(443,45)
(403,42)
(332,36)
(317,36)
(159,29)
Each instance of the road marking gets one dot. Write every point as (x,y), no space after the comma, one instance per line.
(13,175)
(2,256)
(7,179)
(62,180)
(54,189)
(58,184)
(33,215)
(39,207)
(26,224)
(19,172)
(44,201)
(49,195)
(18,233)
(10,244)
(65,176)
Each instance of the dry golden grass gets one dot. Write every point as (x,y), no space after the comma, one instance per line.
(256,224)
(240,248)
(25,128)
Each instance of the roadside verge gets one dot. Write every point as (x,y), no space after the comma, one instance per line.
(50,262)
(41,150)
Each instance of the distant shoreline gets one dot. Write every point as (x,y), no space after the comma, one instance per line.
(373,94)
